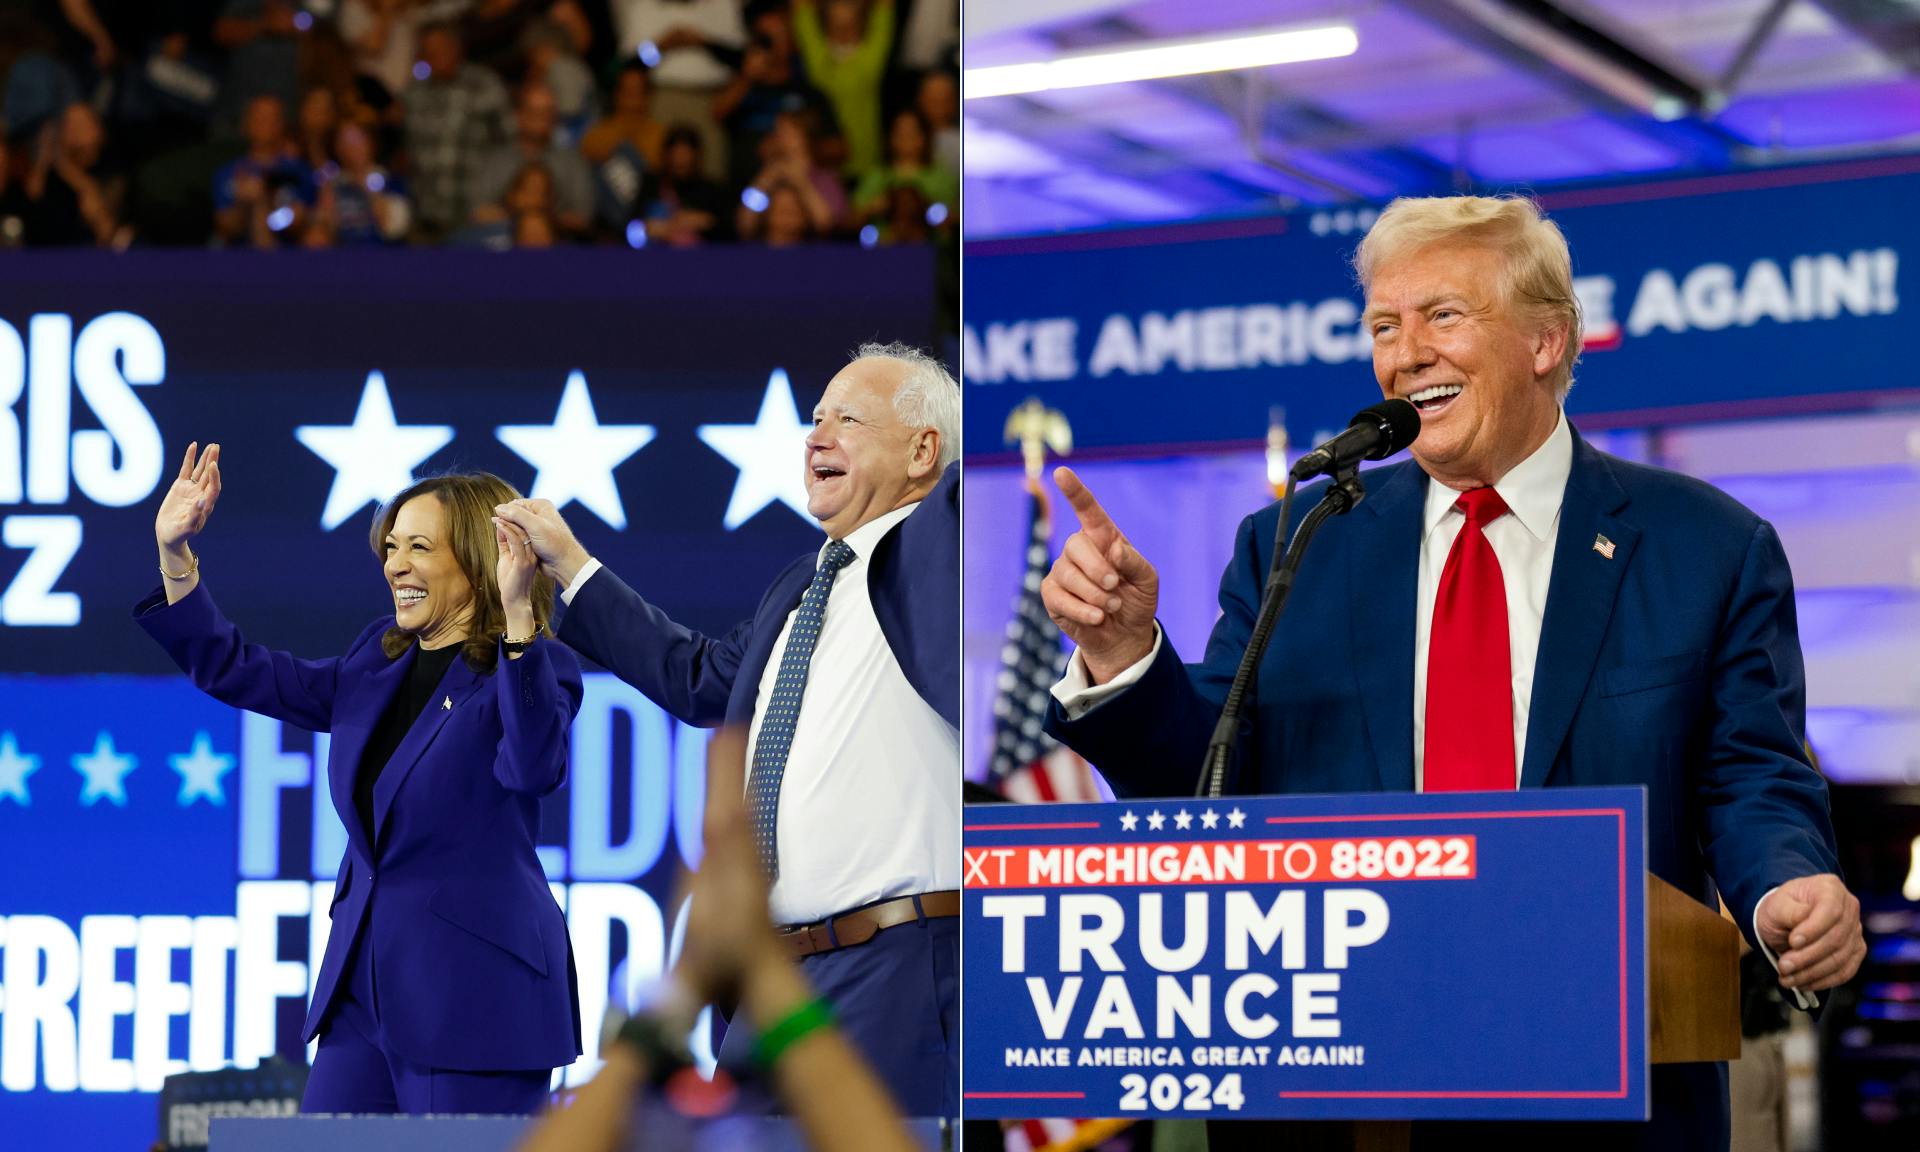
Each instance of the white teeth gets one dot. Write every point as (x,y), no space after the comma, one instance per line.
(409,596)
(1435,393)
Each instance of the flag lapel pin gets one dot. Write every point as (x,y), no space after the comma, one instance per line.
(1603,546)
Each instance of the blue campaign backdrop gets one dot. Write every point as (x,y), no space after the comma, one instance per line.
(1461,956)
(1756,293)
(165,862)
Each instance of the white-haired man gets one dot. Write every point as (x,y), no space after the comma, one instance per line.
(1509,609)
(848,676)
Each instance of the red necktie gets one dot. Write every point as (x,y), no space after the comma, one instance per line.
(1469,667)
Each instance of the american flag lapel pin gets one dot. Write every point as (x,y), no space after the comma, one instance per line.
(1603,546)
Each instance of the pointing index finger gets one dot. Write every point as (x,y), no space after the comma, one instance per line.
(1093,518)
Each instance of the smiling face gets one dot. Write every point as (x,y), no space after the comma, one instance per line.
(1479,370)
(862,461)
(432,597)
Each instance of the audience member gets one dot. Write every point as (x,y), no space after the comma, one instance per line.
(629,122)
(905,218)
(789,157)
(930,35)
(671,37)
(456,116)
(361,205)
(924,44)
(262,41)
(318,122)
(171,87)
(493,31)
(768,83)
(686,208)
(793,215)
(186,75)
(551,60)
(383,36)
(65,196)
(846,60)
(534,142)
(938,100)
(261,199)
(877,198)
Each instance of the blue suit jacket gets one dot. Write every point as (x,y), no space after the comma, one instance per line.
(1675,664)
(913,579)
(474,965)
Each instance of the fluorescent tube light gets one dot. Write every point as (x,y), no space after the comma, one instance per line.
(1158,61)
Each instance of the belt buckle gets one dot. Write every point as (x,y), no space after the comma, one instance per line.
(805,940)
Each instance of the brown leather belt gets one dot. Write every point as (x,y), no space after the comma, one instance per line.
(860,926)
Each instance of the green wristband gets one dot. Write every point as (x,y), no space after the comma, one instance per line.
(794,1027)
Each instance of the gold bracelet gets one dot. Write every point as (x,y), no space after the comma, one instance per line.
(521,643)
(191,569)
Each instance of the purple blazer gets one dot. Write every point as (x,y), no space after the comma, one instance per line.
(474,965)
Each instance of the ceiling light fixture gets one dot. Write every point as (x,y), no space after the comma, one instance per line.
(1159,61)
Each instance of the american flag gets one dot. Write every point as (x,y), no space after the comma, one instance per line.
(1060,1135)
(1028,765)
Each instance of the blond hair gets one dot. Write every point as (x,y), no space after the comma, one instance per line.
(467,498)
(1537,270)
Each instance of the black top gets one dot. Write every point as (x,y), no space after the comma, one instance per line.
(429,668)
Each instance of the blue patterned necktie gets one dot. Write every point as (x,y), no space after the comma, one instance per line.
(783,709)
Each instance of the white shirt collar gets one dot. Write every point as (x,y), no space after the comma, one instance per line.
(1533,488)
(864,538)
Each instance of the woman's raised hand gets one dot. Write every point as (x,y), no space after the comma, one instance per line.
(189,502)
(514,570)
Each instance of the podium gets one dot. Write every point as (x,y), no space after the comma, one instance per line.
(1368,959)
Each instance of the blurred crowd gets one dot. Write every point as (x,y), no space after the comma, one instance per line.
(483,123)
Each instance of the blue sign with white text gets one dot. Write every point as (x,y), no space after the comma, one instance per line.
(1751,294)
(1463,956)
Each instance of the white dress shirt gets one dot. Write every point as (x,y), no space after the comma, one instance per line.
(870,799)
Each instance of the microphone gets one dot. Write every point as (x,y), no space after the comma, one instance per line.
(1374,434)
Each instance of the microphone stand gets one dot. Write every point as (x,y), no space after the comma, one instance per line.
(1346,491)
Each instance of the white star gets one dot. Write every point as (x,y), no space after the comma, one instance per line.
(1236,818)
(14,770)
(1129,821)
(105,771)
(200,771)
(1209,818)
(1155,820)
(1182,820)
(768,452)
(576,454)
(373,458)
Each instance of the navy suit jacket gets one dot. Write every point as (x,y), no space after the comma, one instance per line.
(913,579)
(474,964)
(1674,664)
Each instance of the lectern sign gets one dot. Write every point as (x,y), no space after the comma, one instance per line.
(1356,956)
